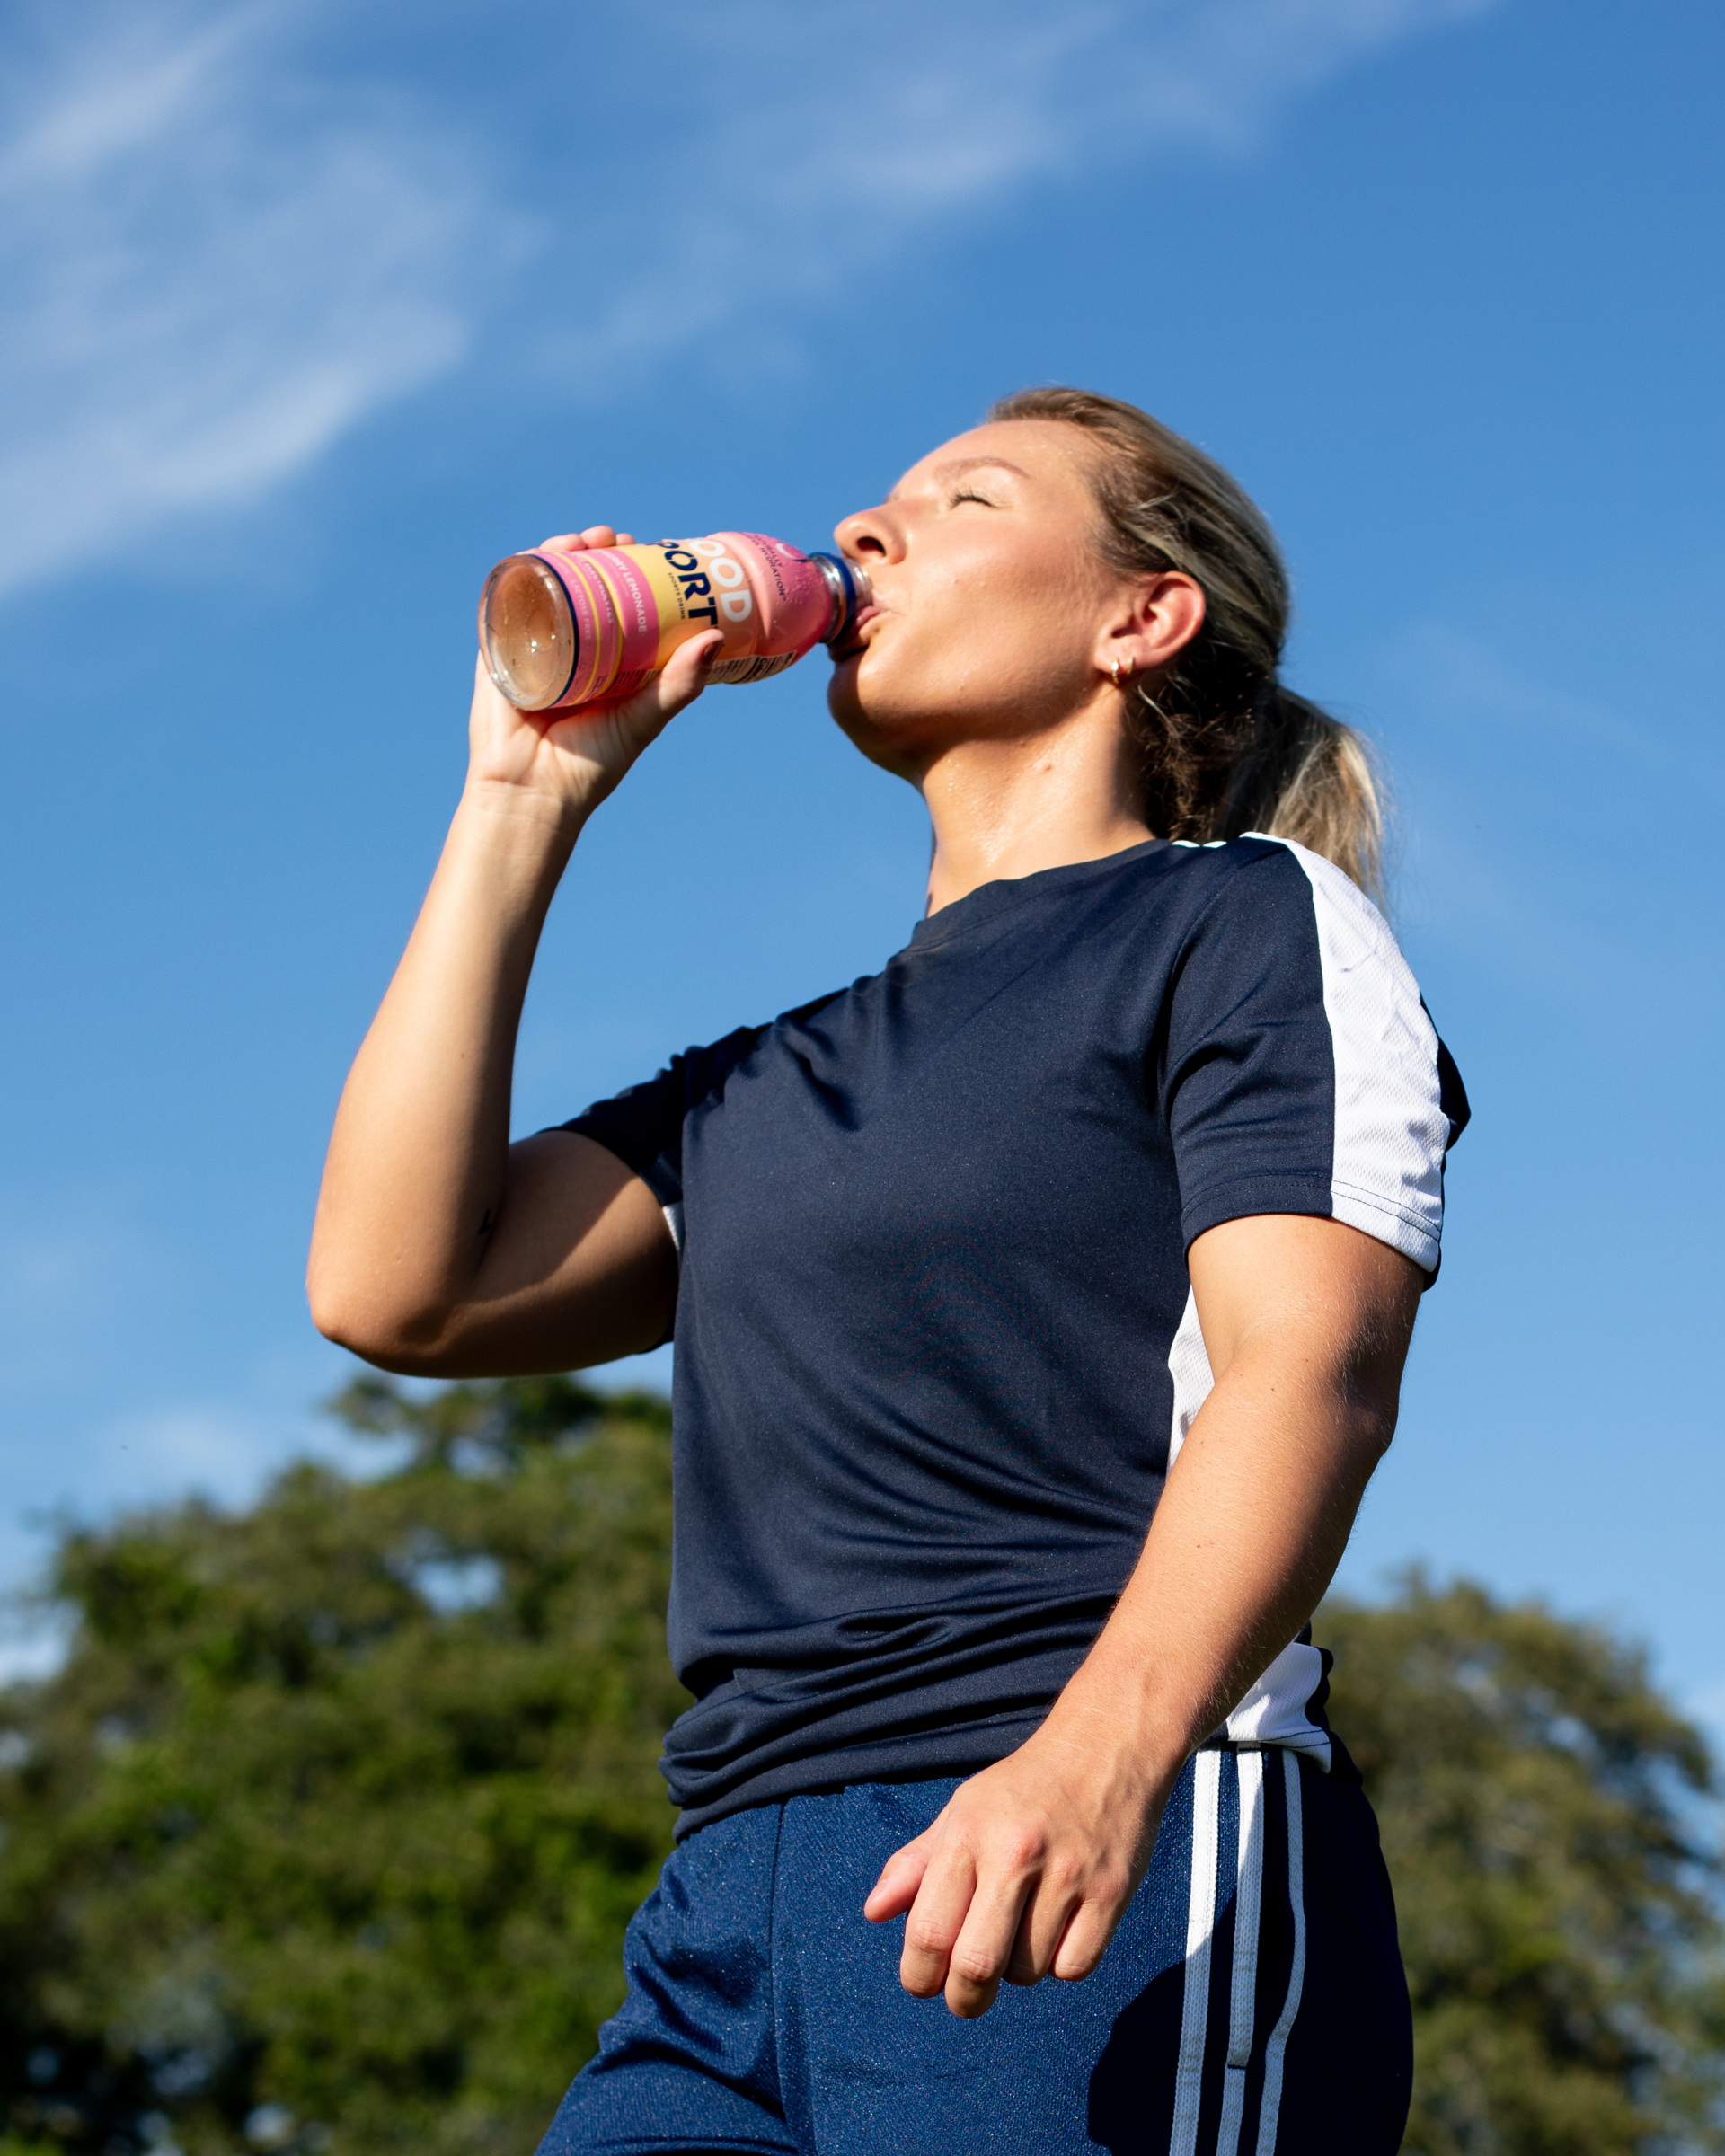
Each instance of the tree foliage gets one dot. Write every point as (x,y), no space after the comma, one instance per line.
(334,1817)
(325,1836)
(1540,1805)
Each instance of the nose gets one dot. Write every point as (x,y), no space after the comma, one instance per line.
(872,535)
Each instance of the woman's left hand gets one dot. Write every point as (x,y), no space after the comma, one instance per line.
(1026,1872)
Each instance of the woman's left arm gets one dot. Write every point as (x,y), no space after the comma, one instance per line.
(1030,1867)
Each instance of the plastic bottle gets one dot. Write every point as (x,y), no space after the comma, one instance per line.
(559,631)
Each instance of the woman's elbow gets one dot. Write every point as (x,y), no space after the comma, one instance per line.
(355,1312)
(1371,1417)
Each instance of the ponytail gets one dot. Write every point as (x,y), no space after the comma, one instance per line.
(1224,747)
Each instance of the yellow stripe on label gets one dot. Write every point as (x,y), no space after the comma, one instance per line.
(667,596)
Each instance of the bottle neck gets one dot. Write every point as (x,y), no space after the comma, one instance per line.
(848,583)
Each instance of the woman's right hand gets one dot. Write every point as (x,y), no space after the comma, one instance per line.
(570,760)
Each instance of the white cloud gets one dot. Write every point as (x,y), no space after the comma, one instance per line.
(842,149)
(216,262)
(212,268)
(1217,71)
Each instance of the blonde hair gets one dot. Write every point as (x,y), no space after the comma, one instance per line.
(1225,748)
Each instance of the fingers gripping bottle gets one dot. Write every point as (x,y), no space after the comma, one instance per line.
(561,630)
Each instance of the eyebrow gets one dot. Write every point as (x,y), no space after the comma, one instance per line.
(961,465)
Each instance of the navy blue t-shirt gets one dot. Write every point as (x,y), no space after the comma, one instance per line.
(936,1347)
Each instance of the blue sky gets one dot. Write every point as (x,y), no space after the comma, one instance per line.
(314,312)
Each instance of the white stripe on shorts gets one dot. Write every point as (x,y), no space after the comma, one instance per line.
(1243,1997)
(1269,2108)
(1200,1924)
(1242,1975)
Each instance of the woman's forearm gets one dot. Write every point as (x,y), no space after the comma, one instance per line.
(1308,1325)
(1029,1867)
(414,1183)
(417,1184)
(1250,1527)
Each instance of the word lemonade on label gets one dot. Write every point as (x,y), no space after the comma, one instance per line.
(561,630)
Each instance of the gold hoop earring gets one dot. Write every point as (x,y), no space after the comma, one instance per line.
(1114,674)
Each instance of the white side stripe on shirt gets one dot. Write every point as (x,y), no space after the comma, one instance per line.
(1273,1711)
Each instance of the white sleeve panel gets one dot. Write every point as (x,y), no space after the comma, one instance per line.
(1188,1365)
(1387,1178)
(1273,1711)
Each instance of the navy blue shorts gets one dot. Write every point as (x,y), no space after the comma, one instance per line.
(1251,2002)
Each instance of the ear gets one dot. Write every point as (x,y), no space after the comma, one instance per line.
(1158,617)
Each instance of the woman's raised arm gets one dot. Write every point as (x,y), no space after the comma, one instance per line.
(439,1248)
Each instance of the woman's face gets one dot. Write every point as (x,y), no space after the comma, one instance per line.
(992,605)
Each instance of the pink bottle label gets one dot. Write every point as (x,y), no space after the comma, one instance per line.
(633,606)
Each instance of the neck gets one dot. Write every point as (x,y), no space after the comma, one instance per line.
(1008,808)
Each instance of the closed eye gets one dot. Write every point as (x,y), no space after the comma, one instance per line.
(967,496)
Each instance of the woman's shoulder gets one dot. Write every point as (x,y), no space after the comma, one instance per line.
(1259,870)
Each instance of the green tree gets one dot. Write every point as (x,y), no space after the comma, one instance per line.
(1540,1805)
(325,1836)
(334,1819)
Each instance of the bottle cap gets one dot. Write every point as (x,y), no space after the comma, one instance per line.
(848,581)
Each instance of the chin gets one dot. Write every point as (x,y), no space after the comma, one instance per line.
(897,741)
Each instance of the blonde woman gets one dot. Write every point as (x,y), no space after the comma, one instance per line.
(1040,1305)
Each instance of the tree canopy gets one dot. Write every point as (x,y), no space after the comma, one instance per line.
(1541,1810)
(326,1834)
(332,1821)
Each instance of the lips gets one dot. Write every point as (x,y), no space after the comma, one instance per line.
(854,643)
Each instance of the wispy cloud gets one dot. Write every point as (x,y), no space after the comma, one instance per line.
(1515,860)
(217,259)
(843,150)
(213,266)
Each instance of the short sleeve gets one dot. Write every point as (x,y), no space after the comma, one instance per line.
(1301,1072)
(644,1127)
